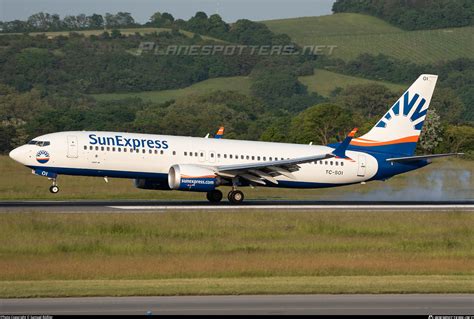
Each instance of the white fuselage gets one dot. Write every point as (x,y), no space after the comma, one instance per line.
(106,154)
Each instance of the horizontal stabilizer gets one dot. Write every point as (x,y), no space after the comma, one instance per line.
(420,157)
(340,151)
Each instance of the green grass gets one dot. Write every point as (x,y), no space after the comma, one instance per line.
(236,83)
(324,82)
(354,34)
(59,254)
(321,82)
(238,286)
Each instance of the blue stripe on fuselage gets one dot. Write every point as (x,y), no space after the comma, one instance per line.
(100,172)
(164,177)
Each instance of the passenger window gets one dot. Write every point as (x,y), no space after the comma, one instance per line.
(253,158)
(218,155)
(342,163)
(91,148)
(185,153)
(241,157)
(337,163)
(101,148)
(96,148)
(258,158)
(202,154)
(196,154)
(150,151)
(325,162)
(174,152)
(212,154)
(113,149)
(330,163)
(230,156)
(108,149)
(124,150)
(119,149)
(161,152)
(264,158)
(190,153)
(85,147)
(225,155)
(248,157)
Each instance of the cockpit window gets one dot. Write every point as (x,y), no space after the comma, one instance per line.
(39,143)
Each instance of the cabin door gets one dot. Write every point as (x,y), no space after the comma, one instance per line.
(72,146)
(362,166)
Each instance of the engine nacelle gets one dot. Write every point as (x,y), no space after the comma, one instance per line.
(149,183)
(192,178)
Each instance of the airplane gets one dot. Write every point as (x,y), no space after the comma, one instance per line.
(219,133)
(164,162)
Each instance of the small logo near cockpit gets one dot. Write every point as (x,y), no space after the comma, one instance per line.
(42,156)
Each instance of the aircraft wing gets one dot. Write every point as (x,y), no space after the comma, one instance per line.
(419,157)
(260,172)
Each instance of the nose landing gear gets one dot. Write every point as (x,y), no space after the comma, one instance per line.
(54,188)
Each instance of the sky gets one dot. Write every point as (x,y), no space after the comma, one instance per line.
(141,10)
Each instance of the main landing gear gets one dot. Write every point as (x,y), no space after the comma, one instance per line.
(54,188)
(234,196)
(214,196)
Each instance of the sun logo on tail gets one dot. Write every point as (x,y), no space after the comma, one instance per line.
(416,114)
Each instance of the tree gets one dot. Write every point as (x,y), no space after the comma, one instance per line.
(447,104)
(322,124)
(459,138)
(370,100)
(161,19)
(96,21)
(270,85)
(431,134)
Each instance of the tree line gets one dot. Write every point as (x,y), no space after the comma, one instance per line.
(45,22)
(413,14)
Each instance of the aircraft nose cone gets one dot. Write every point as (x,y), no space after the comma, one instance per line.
(19,154)
(15,154)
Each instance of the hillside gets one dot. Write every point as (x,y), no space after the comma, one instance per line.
(354,34)
(321,82)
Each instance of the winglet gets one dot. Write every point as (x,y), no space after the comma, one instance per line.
(340,151)
(220,132)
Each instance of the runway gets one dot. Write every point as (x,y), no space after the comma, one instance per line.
(244,305)
(164,206)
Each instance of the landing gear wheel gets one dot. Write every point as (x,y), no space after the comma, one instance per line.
(236,197)
(214,196)
(54,189)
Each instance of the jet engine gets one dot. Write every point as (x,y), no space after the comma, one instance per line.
(192,178)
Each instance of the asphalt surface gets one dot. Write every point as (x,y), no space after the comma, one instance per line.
(163,206)
(243,305)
